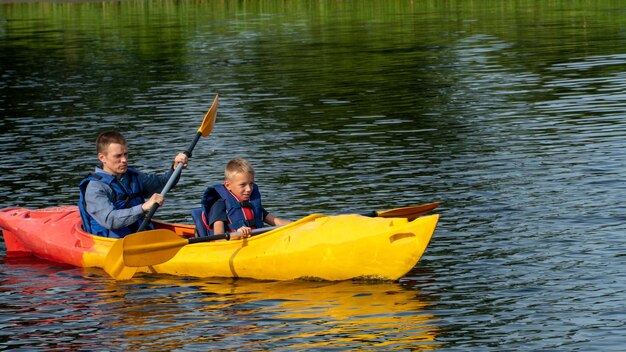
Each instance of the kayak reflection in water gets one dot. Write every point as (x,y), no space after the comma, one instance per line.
(113,198)
(235,205)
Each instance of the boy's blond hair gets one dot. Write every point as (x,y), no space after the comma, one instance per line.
(237,165)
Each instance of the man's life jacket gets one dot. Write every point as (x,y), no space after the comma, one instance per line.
(235,210)
(123,198)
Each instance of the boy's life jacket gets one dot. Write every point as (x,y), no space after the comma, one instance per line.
(235,210)
(124,197)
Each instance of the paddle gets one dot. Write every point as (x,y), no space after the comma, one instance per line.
(114,261)
(205,128)
(406,212)
(158,246)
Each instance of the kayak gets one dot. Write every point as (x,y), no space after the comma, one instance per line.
(317,247)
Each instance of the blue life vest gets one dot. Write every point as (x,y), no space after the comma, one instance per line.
(236,217)
(124,198)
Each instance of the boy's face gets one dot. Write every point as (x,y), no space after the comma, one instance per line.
(240,184)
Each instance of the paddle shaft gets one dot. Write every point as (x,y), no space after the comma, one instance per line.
(229,236)
(169,184)
(406,212)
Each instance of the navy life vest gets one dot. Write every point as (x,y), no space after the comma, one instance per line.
(234,211)
(123,198)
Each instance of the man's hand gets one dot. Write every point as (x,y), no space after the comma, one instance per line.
(181,158)
(155,199)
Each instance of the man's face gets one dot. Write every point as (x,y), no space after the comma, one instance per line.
(115,159)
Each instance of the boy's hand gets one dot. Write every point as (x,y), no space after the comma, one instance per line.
(245,231)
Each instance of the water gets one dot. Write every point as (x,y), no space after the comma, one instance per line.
(510,114)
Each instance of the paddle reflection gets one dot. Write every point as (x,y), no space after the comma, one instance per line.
(174,313)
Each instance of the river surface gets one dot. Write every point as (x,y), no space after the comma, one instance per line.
(511,113)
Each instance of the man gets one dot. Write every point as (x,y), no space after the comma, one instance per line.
(112,200)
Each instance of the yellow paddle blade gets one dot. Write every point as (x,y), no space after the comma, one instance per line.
(209,119)
(151,247)
(408,212)
(114,263)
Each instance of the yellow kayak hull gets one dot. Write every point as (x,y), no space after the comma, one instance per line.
(316,247)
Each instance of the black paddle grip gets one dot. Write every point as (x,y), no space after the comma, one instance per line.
(225,236)
(146,219)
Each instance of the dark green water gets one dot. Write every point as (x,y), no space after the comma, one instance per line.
(512,114)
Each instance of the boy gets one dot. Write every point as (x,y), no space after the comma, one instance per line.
(235,206)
